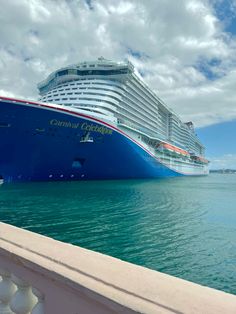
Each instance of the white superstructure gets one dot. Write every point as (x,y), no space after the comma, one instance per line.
(112,91)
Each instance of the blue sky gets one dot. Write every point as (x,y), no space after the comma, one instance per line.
(225,10)
(220,142)
(185,51)
(220,138)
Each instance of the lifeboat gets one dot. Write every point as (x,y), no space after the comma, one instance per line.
(173,149)
(200,159)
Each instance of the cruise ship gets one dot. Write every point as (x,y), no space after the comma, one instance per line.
(95,120)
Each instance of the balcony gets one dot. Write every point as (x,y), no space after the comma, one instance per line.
(41,275)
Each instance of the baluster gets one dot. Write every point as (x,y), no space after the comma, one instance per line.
(7,290)
(23,300)
(39,307)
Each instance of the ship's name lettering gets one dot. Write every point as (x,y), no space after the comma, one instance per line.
(84,126)
(95,128)
(65,124)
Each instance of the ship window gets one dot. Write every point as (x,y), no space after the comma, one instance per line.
(102,72)
(71,71)
(64,72)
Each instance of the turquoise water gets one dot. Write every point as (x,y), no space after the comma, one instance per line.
(183,226)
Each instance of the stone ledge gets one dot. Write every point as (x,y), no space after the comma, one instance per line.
(109,283)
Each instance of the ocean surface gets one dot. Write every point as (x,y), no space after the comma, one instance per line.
(185,227)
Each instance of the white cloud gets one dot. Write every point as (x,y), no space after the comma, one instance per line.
(173,38)
(208,103)
(227,161)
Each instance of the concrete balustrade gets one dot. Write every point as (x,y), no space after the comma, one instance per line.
(7,290)
(42,276)
(16,296)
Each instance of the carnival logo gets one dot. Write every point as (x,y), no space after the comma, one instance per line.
(65,124)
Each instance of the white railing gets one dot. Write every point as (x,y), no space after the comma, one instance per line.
(39,275)
(17,296)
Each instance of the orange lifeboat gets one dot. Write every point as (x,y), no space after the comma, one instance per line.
(174,149)
(200,159)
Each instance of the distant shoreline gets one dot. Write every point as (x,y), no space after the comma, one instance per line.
(223,171)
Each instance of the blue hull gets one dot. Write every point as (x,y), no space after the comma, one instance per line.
(44,144)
